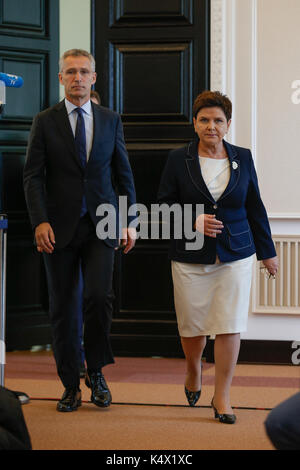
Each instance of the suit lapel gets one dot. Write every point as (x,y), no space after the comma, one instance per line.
(97,131)
(194,170)
(63,124)
(234,169)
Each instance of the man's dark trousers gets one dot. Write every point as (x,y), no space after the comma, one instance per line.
(63,274)
(55,183)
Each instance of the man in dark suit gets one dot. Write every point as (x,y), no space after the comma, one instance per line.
(95,97)
(74,149)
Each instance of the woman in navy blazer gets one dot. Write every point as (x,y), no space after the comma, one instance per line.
(235,226)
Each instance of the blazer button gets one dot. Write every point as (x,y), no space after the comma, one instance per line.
(215,206)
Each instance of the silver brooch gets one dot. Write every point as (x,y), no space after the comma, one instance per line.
(234,165)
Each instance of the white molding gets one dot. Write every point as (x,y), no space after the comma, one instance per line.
(226,39)
(284,216)
(254,80)
(223,53)
(218,46)
(230,58)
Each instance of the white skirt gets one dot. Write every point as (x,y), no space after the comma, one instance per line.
(212,299)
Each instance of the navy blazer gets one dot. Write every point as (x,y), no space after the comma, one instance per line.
(240,208)
(55,181)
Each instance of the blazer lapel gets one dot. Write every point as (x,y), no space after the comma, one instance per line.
(194,170)
(63,124)
(195,174)
(234,170)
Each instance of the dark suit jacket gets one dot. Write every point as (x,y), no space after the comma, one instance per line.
(240,208)
(54,180)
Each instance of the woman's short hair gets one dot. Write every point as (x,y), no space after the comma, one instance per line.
(77,53)
(210,99)
(95,94)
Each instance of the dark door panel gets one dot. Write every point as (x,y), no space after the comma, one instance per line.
(29,37)
(152,60)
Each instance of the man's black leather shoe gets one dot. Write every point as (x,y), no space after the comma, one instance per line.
(70,400)
(101,395)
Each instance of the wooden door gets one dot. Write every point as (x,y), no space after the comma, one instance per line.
(29,36)
(152,60)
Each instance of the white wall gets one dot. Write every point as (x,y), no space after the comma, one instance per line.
(255,60)
(74,26)
(278,118)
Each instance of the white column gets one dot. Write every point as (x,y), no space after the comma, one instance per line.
(233,64)
(74,26)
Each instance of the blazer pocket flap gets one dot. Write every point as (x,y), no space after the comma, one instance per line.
(238,228)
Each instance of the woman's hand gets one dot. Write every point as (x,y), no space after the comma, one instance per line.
(271,264)
(209,225)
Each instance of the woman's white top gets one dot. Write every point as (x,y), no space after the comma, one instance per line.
(216,174)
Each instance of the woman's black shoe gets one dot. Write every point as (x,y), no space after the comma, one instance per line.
(223,417)
(192,397)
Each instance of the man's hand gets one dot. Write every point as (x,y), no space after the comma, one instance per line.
(44,237)
(128,239)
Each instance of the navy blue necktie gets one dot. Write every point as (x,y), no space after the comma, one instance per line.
(80,144)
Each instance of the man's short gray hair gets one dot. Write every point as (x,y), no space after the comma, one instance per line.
(77,53)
